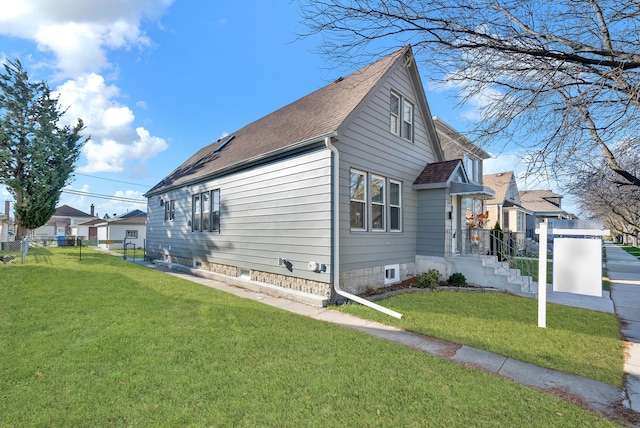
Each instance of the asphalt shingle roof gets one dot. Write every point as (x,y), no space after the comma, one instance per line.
(314,115)
(438,172)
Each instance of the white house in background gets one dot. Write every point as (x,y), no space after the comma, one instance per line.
(5,223)
(62,223)
(129,228)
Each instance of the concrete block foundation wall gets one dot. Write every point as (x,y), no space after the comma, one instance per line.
(358,280)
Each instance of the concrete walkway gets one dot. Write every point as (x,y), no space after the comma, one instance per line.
(588,393)
(624,276)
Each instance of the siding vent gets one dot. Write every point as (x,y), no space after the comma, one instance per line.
(221,146)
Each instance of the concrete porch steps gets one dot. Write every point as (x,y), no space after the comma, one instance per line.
(487,271)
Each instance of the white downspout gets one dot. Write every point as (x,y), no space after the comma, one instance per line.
(336,236)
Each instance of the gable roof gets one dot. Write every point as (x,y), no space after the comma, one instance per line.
(305,121)
(454,144)
(67,211)
(536,201)
(437,172)
(132,217)
(499,182)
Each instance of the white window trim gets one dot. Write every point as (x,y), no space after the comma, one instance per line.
(383,204)
(399,206)
(391,274)
(363,201)
(398,116)
(404,119)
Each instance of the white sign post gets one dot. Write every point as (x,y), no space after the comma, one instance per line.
(542,275)
(560,275)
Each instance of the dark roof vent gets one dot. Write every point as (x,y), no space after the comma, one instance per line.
(227,141)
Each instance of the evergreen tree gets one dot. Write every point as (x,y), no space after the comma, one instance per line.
(37,154)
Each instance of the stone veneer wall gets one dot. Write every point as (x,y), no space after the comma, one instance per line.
(219,268)
(293,283)
(356,281)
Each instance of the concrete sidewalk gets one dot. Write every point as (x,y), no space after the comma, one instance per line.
(624,277)
(589,393)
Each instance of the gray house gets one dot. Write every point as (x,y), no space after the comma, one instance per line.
(317,197)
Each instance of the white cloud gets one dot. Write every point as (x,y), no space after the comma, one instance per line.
(79,33)
(80,36)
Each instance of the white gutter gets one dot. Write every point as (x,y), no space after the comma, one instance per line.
(336,236)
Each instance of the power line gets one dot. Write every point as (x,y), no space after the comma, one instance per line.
(101,196)
(112,180)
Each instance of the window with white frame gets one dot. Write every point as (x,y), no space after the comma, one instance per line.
(391,274)
(394,113)
(358,192)
(132,234)
(520,221)
(206,209)
(377,203)
(400,116)
(395,206)
(407,120)
(374,199)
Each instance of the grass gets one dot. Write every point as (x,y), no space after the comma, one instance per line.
(578,341)
(104,342)
(634,251)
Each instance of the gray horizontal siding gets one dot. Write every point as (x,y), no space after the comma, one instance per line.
(432,208)
(367,144)
(282,209)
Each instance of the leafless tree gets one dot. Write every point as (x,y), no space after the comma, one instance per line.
(602,197)
(560,78)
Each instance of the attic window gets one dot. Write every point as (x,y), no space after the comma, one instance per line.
(227,141)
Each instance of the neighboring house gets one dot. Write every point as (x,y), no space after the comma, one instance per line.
(88,230)
(330,194)
(125,229)
(506,208)
(62,223)
(5,223)
(543,205)
(457,146)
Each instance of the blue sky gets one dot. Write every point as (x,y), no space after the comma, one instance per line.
(155,80)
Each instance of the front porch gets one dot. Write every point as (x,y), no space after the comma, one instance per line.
(486,258)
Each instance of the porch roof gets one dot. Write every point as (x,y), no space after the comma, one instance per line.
(468,189)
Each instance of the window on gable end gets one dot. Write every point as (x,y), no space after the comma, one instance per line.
(407,120)
(394,114)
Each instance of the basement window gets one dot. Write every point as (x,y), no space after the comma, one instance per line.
(391,274)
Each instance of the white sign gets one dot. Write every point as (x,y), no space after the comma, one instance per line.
(577,266)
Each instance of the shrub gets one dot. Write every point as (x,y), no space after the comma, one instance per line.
(428,279)
(457,279)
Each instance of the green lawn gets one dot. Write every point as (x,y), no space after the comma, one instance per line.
(635,251)
(104,342)
(578,341)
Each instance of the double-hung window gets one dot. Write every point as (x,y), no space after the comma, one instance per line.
(395,206)
(407,120)
(400,116)
(377,203)
(358,195)
(394,116)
